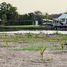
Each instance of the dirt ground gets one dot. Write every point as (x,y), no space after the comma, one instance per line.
(10,58)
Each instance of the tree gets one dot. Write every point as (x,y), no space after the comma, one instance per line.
(33,18)
(8,12)
(39,16)
(4,19)
(47,16)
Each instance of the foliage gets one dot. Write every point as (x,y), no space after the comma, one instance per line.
(42,51)
(62,45)
(4,19)
(7,12)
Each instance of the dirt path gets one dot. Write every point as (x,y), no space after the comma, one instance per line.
(31,59)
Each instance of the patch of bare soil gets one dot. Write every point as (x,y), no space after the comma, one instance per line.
(9,58)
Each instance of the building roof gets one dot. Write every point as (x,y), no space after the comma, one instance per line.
(62,16)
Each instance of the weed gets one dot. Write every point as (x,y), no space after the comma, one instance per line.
(62,45)
(42,52)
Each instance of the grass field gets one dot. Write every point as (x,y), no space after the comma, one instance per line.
(19,26)
(22,27)
(32,41)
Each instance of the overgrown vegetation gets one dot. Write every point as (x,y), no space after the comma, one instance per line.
(42,51)
(32,37)
(34,41)
(62,45)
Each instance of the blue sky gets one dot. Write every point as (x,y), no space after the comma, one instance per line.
(49,6)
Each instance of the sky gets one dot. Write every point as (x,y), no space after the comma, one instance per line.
(49,6)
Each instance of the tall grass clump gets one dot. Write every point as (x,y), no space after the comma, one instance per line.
(43,49)
(62,45)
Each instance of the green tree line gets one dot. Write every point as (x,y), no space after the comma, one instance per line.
(10,16)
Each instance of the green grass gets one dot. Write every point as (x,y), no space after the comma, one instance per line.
(34,41)
(36,48)
(19,26)
(32,38)
(30,48)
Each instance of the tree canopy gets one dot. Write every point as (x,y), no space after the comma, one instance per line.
(7,11)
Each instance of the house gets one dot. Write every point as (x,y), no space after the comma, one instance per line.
(61,22)
(47,21)
(63,18)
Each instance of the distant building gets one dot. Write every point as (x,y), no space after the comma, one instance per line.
(63,18)
(61,22)
(47,21)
